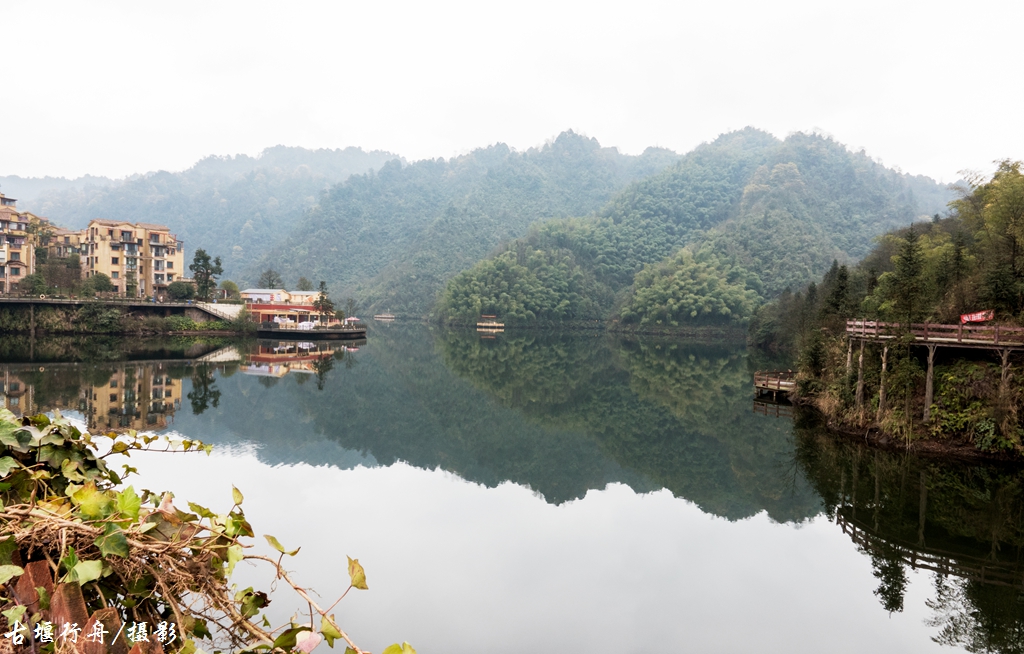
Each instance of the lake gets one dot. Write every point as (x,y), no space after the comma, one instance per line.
(541,491)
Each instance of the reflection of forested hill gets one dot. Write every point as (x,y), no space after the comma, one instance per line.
(678,415)
(560,413)
(396,401)
(964,522)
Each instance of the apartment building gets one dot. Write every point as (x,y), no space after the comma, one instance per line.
(17,251)
(141,259)
(62,243)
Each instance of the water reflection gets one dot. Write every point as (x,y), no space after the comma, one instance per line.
(963,523)
(565,414)
(676,414)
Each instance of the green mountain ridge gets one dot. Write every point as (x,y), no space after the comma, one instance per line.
(393,238)
(782,210)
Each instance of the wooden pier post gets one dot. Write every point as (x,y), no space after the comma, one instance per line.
(881,385)
(1004,378)
(929,386)
(860,377)
(849,359)
(922,508)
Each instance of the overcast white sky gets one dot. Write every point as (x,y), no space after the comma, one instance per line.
(114,88)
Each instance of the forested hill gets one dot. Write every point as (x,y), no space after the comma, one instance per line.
(236,207)
(756,214)
(395,237)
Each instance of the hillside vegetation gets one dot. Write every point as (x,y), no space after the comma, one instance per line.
(971,261)
(394,237)
(237,207)
(757,214)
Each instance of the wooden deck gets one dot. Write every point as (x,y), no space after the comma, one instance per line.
(774,382)
(970,335)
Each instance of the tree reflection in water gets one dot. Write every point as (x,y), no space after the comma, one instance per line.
(962,522)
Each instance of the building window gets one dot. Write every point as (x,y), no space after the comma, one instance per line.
(115,246)
(170,264)
(110,233)
(114,261)
(15,256)
(15,272)
(15,387)
(114,274)
(113,397)
(67,240)
(113,383)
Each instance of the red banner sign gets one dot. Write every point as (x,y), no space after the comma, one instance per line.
(978,316)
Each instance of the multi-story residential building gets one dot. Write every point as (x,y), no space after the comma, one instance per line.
(17,251)
(141,259)
(63,243)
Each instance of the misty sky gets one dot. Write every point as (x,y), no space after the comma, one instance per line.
(116,88)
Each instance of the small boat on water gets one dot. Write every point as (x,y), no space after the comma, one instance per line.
(489,324)
(335,332)
(384,317)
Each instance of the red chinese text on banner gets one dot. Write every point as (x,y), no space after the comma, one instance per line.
(978,316)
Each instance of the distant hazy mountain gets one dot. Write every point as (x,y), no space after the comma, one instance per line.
(235,207)
(26,190)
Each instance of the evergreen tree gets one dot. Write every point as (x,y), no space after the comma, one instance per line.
(323,304)
(205,271)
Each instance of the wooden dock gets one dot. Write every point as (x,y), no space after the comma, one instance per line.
(970,335)
(1004,340)
(774,382)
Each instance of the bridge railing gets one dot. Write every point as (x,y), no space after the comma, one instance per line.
(969,333)
(779,380)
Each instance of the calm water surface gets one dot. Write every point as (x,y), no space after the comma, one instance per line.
(559,492)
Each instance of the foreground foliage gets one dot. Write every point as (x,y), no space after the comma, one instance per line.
(135,551)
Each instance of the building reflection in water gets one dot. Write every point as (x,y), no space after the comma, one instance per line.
(278,358)
(143,396)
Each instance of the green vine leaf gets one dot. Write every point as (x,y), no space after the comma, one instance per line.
(94,503)
(86,571)
(113,542)
(8,572)
(128,503)
(237,496)
(14,614)
(7,464)
(235,555)
(330,632)
(276,544)
(357,574)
